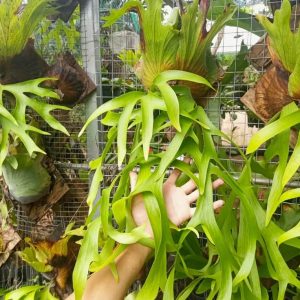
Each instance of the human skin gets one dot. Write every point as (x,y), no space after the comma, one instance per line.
(102,284)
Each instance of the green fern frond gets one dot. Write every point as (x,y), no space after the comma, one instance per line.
(16,27)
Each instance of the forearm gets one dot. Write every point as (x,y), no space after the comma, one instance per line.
(102,284)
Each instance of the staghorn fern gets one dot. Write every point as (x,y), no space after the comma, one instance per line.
(16,26)
(244,243)
(33,292)
(180,43)
(15,125)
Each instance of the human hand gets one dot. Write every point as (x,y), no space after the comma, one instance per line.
(177,200)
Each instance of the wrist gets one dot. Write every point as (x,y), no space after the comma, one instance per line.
(139,250)
(138,255)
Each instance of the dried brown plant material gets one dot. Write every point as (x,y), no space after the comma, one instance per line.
(25,66)
(9,238)
(73,83)
(259,55)
(271,93)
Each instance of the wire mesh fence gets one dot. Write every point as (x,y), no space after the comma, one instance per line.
(66,157)
(226,108)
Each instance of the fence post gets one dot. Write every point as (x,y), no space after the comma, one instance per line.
(90,47)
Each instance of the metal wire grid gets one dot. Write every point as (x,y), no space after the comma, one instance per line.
(228,101)
(113,78)
(70,156)
(14,273)
(225,103)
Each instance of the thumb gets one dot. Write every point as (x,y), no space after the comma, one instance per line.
(133,179)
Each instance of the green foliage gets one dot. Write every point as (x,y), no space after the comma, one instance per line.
(236,64)
(169,47)
(15,125)
(130,57)
(241,17)
(35,292)
(278,126)
(284,45)
(54,38)
(290,216)
(88,254)
(282,40)
(16,28)
(244,242)
(39,255)
(161,96)
(233,240)
(28,181)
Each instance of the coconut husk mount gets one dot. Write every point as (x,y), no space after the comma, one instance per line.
(272,92)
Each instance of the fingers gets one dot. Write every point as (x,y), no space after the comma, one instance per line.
(133,179)
(192,197)
(218,204)
(176,173)
(217,207)
(217,183)
(189,186)
(173,177)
